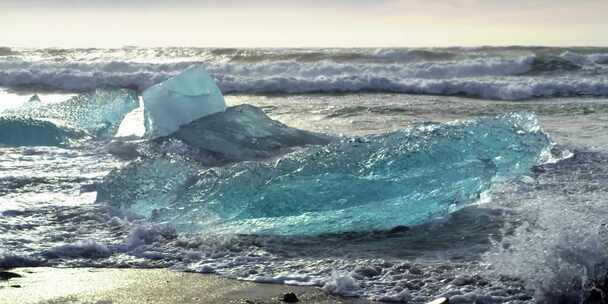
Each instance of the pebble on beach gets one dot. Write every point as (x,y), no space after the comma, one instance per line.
(290,298)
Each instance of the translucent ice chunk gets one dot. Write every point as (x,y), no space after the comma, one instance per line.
(98,113)
(359,184)
(180,100)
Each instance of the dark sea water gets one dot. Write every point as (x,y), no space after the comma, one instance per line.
(536,234)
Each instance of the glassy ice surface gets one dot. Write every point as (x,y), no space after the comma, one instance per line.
(243,132)
(180,100)
(355,184)
(20,131)
(99,113)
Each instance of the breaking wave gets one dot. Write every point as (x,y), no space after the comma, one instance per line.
(593,58)
(474,78)
(84,76)
(510,74)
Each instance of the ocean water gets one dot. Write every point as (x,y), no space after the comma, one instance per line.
(491,186)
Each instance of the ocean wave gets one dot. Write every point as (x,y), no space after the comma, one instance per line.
(29,73)
(5,51)
(507,78)
(594,58)
(399,55)
(176,54)
(489,88)
(380,55)
(552,64)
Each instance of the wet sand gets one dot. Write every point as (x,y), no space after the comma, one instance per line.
(150,286)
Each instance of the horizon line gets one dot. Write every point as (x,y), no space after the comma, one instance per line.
(307,47)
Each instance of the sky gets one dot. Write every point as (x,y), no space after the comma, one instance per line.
(302,23)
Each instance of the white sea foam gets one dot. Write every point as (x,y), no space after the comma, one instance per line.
(79,249)
(342,284)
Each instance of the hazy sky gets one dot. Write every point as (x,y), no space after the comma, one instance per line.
(272,23)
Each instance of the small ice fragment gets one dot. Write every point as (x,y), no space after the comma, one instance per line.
(179,100)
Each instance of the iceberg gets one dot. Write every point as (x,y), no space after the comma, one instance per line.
(98,113)
(179,100)
(354,184)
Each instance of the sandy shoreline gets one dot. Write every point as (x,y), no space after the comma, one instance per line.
(151,286)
